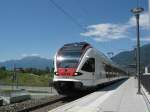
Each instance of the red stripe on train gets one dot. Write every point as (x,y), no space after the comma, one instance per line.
(66,71)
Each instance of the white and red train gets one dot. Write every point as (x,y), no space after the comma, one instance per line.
(78,66)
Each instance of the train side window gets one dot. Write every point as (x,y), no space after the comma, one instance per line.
(89,65)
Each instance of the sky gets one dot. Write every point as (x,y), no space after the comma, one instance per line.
(41,27)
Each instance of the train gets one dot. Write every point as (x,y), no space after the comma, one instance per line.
(79,66)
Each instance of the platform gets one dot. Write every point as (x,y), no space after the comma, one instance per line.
(119,97)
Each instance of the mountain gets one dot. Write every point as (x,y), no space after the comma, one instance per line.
(129,57)
(124,59)
(29,62)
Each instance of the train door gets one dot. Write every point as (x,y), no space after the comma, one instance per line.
(88,69)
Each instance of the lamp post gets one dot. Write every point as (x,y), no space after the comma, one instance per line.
(136,12)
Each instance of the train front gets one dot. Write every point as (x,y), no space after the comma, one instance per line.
(66,63)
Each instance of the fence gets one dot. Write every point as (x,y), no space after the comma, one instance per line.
(145,80)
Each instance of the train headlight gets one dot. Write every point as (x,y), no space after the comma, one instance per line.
(56,73)
(77,73)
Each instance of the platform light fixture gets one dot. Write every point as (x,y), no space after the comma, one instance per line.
(136,12)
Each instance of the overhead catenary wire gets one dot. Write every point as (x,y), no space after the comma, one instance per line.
(73,19)
(83,9)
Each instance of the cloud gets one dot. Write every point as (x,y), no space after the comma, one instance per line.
(26,55)
(144,21)
(106,31)
(109,31)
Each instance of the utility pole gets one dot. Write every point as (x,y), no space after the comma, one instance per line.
(136,12)
(14,77)
(135,59)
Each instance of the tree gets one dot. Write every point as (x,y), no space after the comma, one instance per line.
(3,68)
(52,70)
(47,69)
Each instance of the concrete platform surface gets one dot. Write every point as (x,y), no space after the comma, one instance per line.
(119,97)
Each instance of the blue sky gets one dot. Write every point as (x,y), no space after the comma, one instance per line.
(37,27)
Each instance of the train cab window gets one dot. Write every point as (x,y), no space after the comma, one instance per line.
(89,65)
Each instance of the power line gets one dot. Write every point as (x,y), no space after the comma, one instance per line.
(84,11)
(67,14)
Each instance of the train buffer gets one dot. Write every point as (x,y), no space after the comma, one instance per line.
(119,97)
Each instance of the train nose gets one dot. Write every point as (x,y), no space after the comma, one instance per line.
(78,85)
(63,84)
(67,87)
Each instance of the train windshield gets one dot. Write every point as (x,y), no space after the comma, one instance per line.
(68,59)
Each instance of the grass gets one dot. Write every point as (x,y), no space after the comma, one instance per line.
(26,79)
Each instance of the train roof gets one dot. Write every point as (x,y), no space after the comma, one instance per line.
(75,46)
(81,44)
